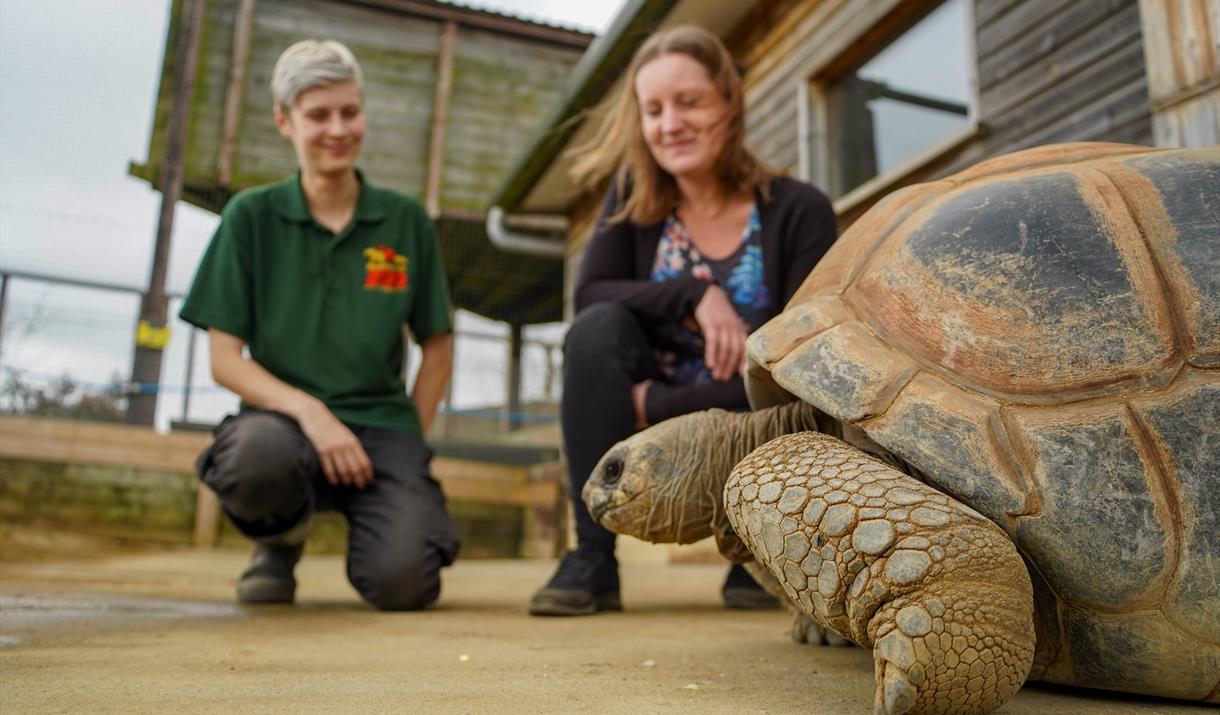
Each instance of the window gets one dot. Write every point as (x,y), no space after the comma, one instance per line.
(914,93)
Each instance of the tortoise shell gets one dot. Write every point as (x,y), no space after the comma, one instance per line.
(1039,336)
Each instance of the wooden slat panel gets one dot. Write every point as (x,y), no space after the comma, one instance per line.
(1073,92)
(1099,120)
(1026,17)
(1047,38)
(768,23)
(773,131)
(827,32)
(988,11)
(76,442)
(1002,96)
(503,88)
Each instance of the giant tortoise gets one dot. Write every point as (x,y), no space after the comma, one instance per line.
(1035,343)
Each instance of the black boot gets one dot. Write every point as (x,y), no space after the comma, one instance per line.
(269,577)
(585,582)
(741,591)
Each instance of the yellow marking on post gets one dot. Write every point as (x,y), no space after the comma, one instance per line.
(150,336)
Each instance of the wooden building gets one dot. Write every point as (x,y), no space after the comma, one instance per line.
(450,93)
(862,97)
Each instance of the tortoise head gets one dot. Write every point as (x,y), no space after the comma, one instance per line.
(664,484)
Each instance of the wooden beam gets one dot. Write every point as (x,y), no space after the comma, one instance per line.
(484,20)
(440,118)
(242,32)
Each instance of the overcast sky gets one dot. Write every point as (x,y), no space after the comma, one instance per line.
(77,83)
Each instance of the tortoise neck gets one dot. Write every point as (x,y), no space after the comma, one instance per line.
(747,431)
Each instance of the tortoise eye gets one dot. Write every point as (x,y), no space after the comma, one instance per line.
(613,472)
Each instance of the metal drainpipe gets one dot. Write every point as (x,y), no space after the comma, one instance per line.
(504,239)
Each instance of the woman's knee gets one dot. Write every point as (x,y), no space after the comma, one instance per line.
(601,330)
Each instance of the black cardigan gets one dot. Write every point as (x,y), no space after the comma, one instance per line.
(798,226)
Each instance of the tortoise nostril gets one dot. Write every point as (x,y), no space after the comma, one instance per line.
(612,472)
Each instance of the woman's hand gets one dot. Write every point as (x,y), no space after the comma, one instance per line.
(724,335)
(639,401)
(343,459)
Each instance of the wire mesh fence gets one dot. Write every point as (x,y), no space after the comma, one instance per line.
(66,350)
(79,211)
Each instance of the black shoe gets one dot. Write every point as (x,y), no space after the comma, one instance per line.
(269,577)
(741,591)
(585,582)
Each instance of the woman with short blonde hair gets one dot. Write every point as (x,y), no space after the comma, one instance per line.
(316,276)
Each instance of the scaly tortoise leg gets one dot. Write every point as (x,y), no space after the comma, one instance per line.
(804,629)
(807,630)
(936,590)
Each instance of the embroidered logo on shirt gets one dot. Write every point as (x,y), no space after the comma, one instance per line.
(385,270)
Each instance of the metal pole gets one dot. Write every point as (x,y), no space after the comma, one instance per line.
(151,331)
(446,415)
(190,374)
(513,420)
(3,303)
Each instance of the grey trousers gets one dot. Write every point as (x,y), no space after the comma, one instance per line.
(269,481)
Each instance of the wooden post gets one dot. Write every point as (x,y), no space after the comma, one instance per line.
(207,517)
(189,374)
(440,118)
(151,331)
(242,26)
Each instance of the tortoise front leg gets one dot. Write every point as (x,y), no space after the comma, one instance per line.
(804,629)
(936,590)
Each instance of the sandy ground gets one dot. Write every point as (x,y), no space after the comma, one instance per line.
(157,631)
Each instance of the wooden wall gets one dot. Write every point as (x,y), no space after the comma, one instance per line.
(1182,50)
(397,55)
(503,84)
(1047,71)
(1051,71)
(502,90)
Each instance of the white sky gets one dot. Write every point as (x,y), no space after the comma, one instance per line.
(78,80)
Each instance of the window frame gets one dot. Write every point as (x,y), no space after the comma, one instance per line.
(814,137)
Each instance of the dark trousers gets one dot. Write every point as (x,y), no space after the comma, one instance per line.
(606,352)
(269,481)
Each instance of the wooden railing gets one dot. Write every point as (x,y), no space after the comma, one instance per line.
(76,442)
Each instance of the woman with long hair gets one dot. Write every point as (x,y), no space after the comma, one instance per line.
(697,245)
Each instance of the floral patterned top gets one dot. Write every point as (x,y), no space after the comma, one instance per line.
(740,276)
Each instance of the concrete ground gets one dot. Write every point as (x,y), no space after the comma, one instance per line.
(157,631)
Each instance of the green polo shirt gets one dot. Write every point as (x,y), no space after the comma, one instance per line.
(325,312)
